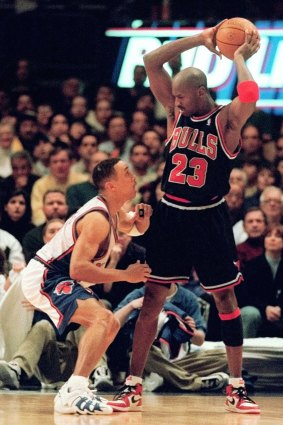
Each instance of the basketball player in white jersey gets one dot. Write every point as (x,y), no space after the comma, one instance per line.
(57,279)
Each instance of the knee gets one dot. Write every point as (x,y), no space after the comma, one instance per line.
(107,319)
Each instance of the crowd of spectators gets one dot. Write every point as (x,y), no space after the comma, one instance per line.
(49,149)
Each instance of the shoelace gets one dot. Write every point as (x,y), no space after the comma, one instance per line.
(125,390)
(242,393)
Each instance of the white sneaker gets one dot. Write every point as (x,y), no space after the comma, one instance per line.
(102,380)
(152,382)
(81,400)
(215,381)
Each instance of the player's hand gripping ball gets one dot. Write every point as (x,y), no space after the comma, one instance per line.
(231,34)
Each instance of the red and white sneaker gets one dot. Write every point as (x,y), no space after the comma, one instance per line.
(237,401)
(129,398)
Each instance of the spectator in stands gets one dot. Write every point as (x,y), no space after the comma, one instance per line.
(5,103)
(279,146)
(255,223)
(44,112)
(78,194)
(54,206)
(250,166)
(70,88)
(24,104)
(139,162)
(235,202)
(153,140)
(15,216)
(79,108)
(60,177)
(88,145)
(27,130)
(271,202)
(238,176)
(267,175)
(8,144)
(119,142)
(251,142)
(263,301)
(21,177)
(59,128)
(98,117)
(76,132)
(41,150)
(138,125)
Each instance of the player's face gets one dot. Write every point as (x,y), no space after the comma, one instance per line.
(125,181)
(186,98)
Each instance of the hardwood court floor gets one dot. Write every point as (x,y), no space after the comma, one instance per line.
(36,408)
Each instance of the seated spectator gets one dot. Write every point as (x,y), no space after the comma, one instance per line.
(238,176)
(78,194)
(254,223)
(251,142)
(98,117)
(271,201)
(59,128)
(263,298)
(180,324)
(139,162)
(21,177)
(87,146)
(27,130)
(235,202)
(15,216)
(40,356)
(8,145)
(54,206)
(60,176)
(76,132)
(41,150)
(118,143)
(44,112)
(250,166)
(267,175)
(138,125)
(79,108)
(153,140)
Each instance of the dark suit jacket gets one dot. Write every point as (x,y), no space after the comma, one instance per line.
(260,289)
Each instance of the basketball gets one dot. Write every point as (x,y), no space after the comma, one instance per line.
(231,34)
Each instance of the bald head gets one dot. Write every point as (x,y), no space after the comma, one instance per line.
(192,77)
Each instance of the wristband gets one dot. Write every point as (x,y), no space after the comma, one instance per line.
(248,91)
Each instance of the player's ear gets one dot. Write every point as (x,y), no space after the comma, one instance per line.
(202,91)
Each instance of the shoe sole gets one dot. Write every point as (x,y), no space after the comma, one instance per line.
(72,411)
(248,411)
(125,409)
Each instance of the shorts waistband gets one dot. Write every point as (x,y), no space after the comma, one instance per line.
(186,204)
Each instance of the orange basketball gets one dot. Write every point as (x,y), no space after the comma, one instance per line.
(231,34)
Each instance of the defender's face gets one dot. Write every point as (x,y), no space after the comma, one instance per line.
(125,181)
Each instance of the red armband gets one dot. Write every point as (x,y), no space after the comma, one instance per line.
(248,91)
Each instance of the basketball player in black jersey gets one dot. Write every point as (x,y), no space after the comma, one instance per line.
(190,226)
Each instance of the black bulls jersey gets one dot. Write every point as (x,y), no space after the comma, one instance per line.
(198,163)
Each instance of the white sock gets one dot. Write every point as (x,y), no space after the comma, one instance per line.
(237,382)
(133,380)
(77,381)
